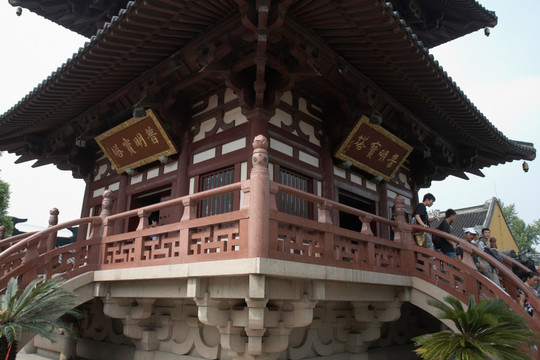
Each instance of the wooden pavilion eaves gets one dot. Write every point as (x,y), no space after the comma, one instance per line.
(188,48)
(434,21)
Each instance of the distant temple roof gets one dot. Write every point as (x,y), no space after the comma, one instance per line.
(477,217)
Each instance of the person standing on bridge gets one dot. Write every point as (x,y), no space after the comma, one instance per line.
(482,265)
(441,243)
(421,217)
(530,280)
(468,237)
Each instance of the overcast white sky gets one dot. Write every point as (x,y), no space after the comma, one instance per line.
(500,74)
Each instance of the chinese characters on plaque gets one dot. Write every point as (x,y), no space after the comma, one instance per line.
(136,142)
(374,149)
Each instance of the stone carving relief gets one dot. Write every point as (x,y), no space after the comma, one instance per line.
(95,325)
(171,327)
(340,327)
(255,328)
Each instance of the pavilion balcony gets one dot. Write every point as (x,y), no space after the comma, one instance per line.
(262,228)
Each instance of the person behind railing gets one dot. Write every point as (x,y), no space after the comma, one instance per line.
(440,243)
(530,280)
(483,266)
(153,222)
(468,237)
(392,218)
(421,216)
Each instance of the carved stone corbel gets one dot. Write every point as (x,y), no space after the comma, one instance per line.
(140,325)
(381,311)
(254,328)
(370,316)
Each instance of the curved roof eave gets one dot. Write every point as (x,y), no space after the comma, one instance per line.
(31,105)
(525,148)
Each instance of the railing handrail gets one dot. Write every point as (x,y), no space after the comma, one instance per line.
(473,249)
(176,201)
(42,233)
(468,248)
(333,204)
(16,238)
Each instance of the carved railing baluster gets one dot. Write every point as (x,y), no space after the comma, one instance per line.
(190,209)
(366,224)
(325,213)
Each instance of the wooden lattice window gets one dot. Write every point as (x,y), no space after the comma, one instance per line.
(291,204)
(218,204)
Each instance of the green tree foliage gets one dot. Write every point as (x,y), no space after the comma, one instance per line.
(526,235)
(487,330)
(35,309)
(4,204)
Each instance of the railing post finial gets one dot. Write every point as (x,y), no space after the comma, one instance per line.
(399,204)
(260,152)
(53,217)
(48,243)
(106,204)
(399,209)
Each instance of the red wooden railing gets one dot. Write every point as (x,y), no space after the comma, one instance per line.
(24,258)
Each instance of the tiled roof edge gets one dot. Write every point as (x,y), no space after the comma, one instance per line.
(519,145)
(87,45)
(491,208)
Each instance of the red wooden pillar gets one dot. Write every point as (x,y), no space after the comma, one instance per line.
(85,212)
(382,189)
(181,187)
(402,233)
(328,187)
(122,202)
(259,195)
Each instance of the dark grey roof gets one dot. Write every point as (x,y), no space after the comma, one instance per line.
(477,217)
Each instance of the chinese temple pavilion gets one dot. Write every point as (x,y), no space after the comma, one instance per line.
(241,161)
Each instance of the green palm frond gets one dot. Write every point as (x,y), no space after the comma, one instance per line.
(35,309)
(489,329)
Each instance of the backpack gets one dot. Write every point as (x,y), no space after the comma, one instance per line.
(495,254)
